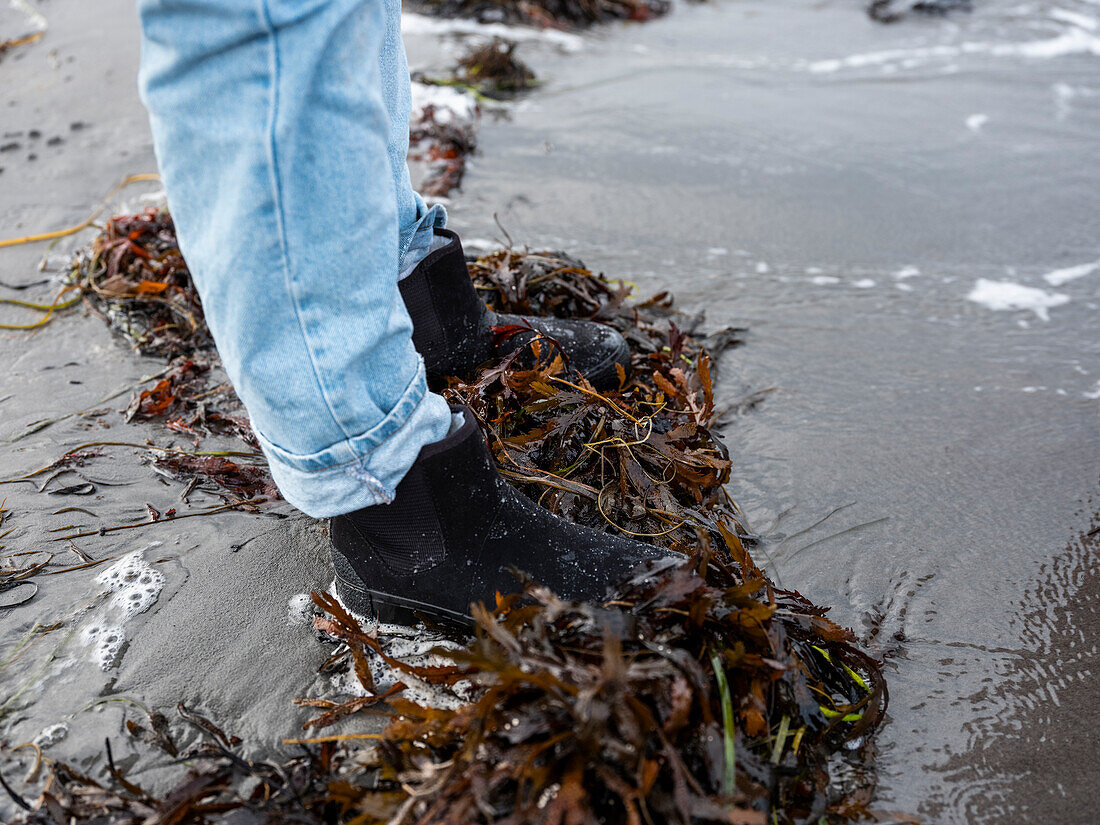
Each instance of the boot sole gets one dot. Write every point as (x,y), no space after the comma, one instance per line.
(390,609)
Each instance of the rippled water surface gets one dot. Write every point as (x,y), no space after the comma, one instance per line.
(906,217)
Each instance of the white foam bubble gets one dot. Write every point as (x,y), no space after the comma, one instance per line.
(906,272)
(299,610)
(824,280)
(106,642)
(449,105)
(863,283)
(976,121)
(1070,273)
(412,23)
(134,586)
(51,735)
(1007,295)
(413,646)
(135,583)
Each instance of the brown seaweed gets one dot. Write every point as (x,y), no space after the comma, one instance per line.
(557,14)
(494,70)
(699,692)
(134,275)
(444,144)
(889,11)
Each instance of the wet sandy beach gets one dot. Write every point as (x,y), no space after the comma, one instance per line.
(904,217)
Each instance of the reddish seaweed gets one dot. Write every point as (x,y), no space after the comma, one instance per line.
(699,692)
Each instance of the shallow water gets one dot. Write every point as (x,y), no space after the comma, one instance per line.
(840,187)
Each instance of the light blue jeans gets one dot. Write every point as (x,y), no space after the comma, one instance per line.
(281,129)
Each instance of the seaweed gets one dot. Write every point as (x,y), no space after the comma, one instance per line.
(35,18)
(639,459)
(494,70)
(490,72)
(244,481)
(698,692)
(557,14)
(182,401)
(135,276)
(442,136)
(889,11)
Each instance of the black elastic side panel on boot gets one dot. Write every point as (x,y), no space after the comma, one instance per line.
(406,536)
(451,326)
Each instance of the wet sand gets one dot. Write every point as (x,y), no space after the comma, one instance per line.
(797,169)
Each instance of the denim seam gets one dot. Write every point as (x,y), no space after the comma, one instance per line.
(280,218)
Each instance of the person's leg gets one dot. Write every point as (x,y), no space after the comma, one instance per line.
(277,150)
(415,220)
(453,328)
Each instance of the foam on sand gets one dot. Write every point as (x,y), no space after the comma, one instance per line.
(448,105)
(135,585)
(1007,295)
(51,735)
(106,641)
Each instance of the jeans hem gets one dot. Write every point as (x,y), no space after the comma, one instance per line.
(364,470)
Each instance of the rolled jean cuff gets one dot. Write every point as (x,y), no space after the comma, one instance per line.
(416,239)
(364,470)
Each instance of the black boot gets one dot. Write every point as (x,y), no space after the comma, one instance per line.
(454,330)
(453,534)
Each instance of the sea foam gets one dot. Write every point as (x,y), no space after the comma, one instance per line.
(1007,295)
(134,585)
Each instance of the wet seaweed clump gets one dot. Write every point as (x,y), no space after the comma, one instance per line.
(556,14)
(698,692)
(890,11)
(134,276)
(494,70)
(184,402)
(442,135)
(640,459)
